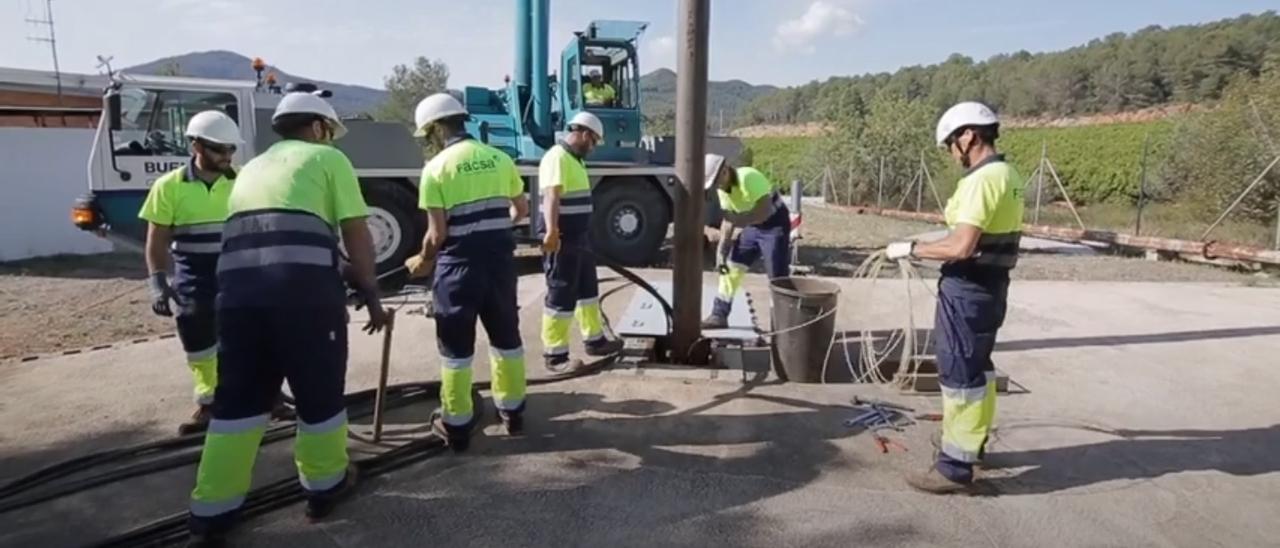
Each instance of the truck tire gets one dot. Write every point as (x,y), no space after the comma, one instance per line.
(396,225)
(629,220)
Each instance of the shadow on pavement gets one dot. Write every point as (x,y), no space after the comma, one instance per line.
(1140,455)
(1148,338)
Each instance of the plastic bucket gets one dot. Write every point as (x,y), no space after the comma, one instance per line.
(804,321)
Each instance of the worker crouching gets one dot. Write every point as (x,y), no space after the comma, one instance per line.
(572,287)
(282,314)
(985,219)
(751,203)
(474,196)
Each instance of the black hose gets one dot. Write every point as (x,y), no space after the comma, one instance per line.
(286,491)
(625,273)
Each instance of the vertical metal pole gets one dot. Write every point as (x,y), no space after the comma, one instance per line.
(693,30)
(1044,153)
(848,182)
(1277,243)
(1142,186)
(880,186)
(920,192)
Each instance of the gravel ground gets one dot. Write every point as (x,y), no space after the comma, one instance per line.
(62,303)
(50,305)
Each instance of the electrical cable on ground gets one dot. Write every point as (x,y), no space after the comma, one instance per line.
(273,496)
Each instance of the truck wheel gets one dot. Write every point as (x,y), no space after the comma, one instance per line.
(629,220)
(396,226)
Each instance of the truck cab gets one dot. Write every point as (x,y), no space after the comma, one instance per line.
(607,49)
(141,136)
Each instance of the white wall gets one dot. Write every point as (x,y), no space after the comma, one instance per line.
(42,172)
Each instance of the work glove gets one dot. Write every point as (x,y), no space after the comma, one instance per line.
(418,266)
(161,294)
(712,234)
(899,250)
(551,241)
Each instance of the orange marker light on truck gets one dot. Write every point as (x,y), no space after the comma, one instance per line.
(84,218)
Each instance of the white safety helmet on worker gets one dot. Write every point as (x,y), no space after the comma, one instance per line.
(963,115)
(434,108)
(589,121)
(215,127)
(300,102)
(712,164)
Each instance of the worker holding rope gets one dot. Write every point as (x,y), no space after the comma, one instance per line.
(747,200)
(184,210)
(282,314)
(473,195)
(572,287)
(985,218)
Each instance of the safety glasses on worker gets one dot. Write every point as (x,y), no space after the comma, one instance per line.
(219,149)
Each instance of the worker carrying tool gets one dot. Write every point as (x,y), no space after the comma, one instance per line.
(751,203)
(597,92)
(473,195)
(572,287)
(282,314)
(985,220)
(185,209)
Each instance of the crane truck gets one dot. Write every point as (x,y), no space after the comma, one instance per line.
(140,137)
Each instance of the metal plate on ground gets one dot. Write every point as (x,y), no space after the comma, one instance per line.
(644,317)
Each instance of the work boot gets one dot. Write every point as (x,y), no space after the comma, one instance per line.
(199,421)
(605,347)
(320,505)
(458,438)
(512,421)
(562,364)
(715,321)
(936,441)
(932,481)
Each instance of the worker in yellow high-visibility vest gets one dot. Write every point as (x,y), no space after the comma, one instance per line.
(597,92)
(572,287)
(985,218)
(185,210)
(474,195)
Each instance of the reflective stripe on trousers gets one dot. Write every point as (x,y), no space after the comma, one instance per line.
(465,292)
(970,311)
(770,240)
(572,291)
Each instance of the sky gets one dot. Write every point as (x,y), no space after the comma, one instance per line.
(780,42)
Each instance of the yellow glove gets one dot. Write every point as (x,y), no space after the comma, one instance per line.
(551,241)
(418,266)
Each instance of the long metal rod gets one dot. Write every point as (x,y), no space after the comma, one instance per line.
(693,31)
(1044,154)
(1208,250)
(380,397)
(1240,198)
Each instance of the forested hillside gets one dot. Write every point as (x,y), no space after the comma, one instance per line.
(1154,66)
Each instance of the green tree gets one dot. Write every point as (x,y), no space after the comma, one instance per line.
(409,84)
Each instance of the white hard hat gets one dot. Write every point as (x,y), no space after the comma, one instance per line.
(214,126)
(964,115)
(433,108)
(589,121)
(300,102)
(712,164)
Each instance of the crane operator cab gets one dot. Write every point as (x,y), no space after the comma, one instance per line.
(602,76)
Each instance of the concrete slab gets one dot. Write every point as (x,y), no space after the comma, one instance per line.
(1143,415)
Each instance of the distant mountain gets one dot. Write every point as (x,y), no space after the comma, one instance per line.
(658,94)
(658,88)
(347,99)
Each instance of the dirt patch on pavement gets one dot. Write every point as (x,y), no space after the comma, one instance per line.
(63,303)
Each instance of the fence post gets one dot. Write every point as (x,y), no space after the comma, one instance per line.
(1142,187)
(880,186)
(920,192)
(849,182)
(1044,153)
